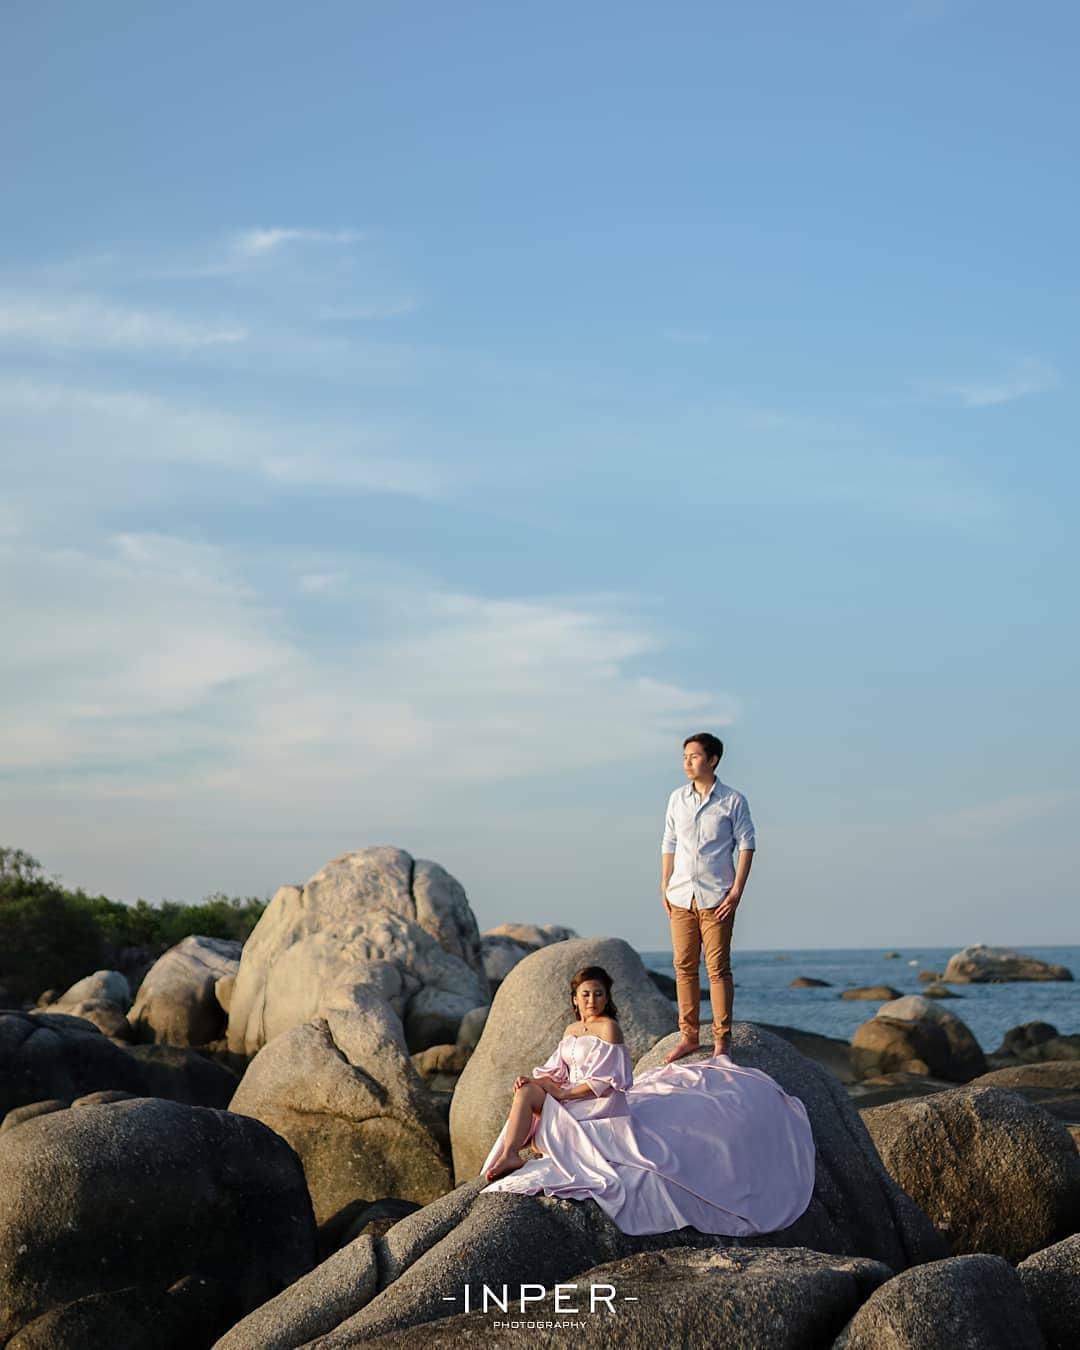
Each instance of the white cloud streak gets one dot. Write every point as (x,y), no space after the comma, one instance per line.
(260,242)
(1024,377)
(92,323)
(161,668)
(71,426)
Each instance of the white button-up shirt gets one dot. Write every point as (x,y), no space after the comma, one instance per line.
(704,833)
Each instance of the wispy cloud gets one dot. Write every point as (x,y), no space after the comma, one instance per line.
(93,323)
(163,666)
(259,242)
(1008,814)
(388,309)
(70,426)
(1023,377)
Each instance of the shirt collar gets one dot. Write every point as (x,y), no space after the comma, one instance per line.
(691,791)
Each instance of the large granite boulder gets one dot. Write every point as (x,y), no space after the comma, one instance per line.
(829,1051)
(52,1055)
(109,986)
(715,1296)
(856,1209)
(506,944)
(1053,1084)
(531,934)
(996,965)
(962,1301)
(995,1173)
(316,1304)
(500,955)
(143,1194)
(528,1017)
(345,1094)
(1023,1042)
(176,1004)
(181,1074)
(186,1317)
(1051,1280)
(376,917)
(913,1031)
(109,1018)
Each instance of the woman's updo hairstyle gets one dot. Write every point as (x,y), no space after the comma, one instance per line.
(594,973)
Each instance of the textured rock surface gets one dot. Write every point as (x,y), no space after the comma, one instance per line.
(1051,1280)
(532,934)
(176,1003)
(790,1297)
(828,1051)
(528,1016)
(881,992)
(344,1093)
(914,1030)
(315,1304)
(109,1018)
(374,917)
(51,1055)
(964,1301)
(993,965)
(144,1193)
(994,1173)
(184,1075)
(107,986)
(1052,1084)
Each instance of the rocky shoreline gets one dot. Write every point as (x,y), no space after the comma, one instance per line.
(276,1146)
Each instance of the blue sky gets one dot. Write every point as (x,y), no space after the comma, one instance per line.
(417,419)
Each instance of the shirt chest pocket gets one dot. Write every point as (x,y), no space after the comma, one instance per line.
(714,828)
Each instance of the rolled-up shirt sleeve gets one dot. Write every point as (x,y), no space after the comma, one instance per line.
(553,1067)
(742,827)
(668,843)
(608,1069)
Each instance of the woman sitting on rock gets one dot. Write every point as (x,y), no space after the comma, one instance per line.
(703,1143)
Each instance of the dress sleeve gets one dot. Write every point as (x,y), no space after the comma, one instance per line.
(554,1067)
(608,1068)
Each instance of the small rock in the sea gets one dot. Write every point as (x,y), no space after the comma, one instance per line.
(808,982)
(892,956)
(873,991)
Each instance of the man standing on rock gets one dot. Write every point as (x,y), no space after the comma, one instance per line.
(701,886)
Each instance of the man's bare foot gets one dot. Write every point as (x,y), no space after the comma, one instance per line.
(683,1048)
(503,1166)
(722,1048)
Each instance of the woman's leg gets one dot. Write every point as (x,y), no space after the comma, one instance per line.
(528,1101)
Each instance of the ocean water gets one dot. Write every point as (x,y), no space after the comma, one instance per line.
(763,990)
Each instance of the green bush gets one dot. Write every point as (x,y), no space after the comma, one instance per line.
(51,936)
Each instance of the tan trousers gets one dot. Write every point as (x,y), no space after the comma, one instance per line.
(691,930)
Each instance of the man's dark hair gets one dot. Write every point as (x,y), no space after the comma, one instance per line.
(712,745)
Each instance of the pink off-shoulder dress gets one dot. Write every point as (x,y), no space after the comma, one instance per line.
(712,1145)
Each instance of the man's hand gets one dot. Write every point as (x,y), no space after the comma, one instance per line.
(730,903)
(667,867)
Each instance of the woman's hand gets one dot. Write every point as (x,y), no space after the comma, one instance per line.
(521,1081)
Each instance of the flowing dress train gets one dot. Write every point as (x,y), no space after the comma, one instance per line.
(711,1144)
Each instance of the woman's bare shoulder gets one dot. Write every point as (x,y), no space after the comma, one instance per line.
(609,1030)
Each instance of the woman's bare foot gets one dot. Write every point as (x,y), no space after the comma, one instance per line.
(683,1048)
(503,1166)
